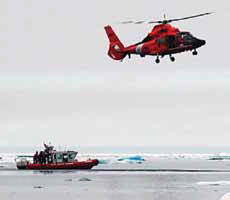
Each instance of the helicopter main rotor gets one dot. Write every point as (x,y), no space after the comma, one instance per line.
(166,21)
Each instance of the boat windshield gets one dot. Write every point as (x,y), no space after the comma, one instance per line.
(68,156)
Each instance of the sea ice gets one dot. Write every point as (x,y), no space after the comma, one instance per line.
(226,196)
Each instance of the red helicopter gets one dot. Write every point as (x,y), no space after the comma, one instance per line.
(163,40)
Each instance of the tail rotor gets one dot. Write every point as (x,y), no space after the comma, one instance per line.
(116,48)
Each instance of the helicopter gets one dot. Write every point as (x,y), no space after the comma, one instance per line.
(164,39)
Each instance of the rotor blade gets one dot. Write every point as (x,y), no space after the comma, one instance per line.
(139,22)
(127,22)
(133,22)
(155,22)
(173,20)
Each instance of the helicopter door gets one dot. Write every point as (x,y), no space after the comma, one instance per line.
(161,42)
(171,41)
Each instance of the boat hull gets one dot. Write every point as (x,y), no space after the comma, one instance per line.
(79,165)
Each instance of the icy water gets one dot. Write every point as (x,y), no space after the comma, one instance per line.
(122,176)
(119,185)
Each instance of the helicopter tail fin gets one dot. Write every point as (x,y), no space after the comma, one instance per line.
(116,48)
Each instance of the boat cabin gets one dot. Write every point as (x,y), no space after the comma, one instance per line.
(64,156)
(61,156)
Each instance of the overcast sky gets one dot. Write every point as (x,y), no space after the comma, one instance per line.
(58,84)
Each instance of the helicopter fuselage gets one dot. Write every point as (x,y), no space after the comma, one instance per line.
(164,39)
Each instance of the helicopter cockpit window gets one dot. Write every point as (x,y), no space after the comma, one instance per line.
(187,37)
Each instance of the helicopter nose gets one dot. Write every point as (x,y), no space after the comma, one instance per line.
(200,43)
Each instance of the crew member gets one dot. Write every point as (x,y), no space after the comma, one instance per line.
(41,157)
(35,158)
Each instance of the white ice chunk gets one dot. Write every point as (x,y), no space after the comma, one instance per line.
(226,196)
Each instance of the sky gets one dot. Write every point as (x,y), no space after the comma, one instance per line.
(57,83)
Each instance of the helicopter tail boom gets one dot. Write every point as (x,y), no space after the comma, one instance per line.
(116,48)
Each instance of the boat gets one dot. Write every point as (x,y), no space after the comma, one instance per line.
(50,159)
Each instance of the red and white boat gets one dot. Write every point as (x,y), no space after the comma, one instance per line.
(51,159)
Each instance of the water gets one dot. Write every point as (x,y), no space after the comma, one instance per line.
(124,173)
(137,157)
(113,185)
